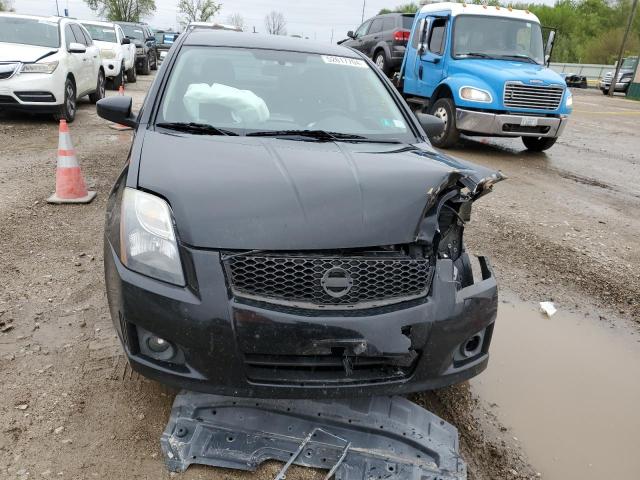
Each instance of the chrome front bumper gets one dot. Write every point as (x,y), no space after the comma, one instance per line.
(492,124)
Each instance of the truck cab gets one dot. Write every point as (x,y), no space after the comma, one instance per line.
(483,71)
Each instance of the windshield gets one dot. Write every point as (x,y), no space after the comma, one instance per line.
(495,37)
(629,63)
(101,34)
(245,91)
(132,31)
(29,31)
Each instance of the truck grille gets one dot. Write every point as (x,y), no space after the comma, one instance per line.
(331,282)
(535,97)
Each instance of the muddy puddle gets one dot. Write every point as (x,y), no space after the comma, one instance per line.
(568,388)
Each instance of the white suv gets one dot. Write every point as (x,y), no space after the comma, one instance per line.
(46,64)
(117,51)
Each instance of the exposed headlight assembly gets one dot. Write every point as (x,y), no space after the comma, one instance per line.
(148,241)
(475,95)
(569,101)
(107,53)
(45,67)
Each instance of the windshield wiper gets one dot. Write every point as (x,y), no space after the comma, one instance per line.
(520,56)
(475,54)
(195,128)
(319,135)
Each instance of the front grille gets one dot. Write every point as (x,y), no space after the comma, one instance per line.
(332,282)
(7,100)
(7,69)
(323,370)
(535,97)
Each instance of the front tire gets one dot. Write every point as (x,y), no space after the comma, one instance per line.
(146,67)
(100,89)
(538,144)
(68,108)
(445,110)
(154,65)
(132,76)
(119,80)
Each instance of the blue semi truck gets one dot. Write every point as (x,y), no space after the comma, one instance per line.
(483,71)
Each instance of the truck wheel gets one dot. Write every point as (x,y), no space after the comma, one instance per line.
(100,89)
(68,108)
(605,91)
(538,144)
(380,59)
(154,65)
(118,81)
(132,76)
(146,67)
(445,110)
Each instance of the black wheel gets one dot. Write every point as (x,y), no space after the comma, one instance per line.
(118,81)
(605,91)
(100,88)
(538,144)
(132,76)
(445,110)
(146,66)
(154,65)
(380,59)
(68,108)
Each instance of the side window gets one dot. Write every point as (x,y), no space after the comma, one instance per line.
(77,32)
(376,26)
(363,29)
(388,24)
(436,39)
(69,37)
(87,35)
(418,35)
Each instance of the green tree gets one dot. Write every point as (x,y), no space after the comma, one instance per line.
(407,8)
(198,10)
(6,5)
(123,10)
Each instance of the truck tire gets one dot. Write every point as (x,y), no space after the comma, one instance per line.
(538,144)
(380,59)
(132,76)
(118,80)
(445,109)
(146,67)
(154,65)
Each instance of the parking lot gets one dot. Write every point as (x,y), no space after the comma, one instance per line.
(562,228)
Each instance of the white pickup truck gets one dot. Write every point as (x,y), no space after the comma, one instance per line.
(117,51)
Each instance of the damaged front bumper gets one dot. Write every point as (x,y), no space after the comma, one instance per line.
(229,346)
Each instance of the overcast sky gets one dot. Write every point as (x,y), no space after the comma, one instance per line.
(311,18)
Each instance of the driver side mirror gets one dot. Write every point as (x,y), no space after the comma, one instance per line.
(77,48)
(433,126)
(126,41)
(350,34)
(117,109)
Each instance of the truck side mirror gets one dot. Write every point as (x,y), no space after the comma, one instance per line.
(549,47)
(433,126)
(126,41)
(350,34)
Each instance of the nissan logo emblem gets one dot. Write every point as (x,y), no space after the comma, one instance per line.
(336,282)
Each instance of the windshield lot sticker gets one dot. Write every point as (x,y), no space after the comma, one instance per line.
(349,62)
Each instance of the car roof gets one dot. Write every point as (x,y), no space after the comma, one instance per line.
(483,10)
(97,22)
(48,18)
(223,38)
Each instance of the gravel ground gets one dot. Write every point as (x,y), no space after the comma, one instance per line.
(563,227)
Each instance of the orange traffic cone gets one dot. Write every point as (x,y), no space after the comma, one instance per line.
(117,126)
(70,186)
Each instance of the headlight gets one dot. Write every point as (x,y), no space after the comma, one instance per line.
(107,53)
(45,67)
(569,101)
(625,79)
(475,95)
(148,240)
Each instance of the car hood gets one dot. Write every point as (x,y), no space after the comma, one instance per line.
(274,194)
(15,52)
(501,71)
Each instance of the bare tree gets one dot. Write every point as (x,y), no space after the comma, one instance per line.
(198,10)
(123,10)
(275,23)
(6,5)
(237,20)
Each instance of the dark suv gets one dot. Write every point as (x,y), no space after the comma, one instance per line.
(146,48)
(383,39)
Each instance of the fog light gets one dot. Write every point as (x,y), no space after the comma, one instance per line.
(472,346)
(157,344)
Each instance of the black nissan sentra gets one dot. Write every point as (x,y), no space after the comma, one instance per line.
(283,228)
